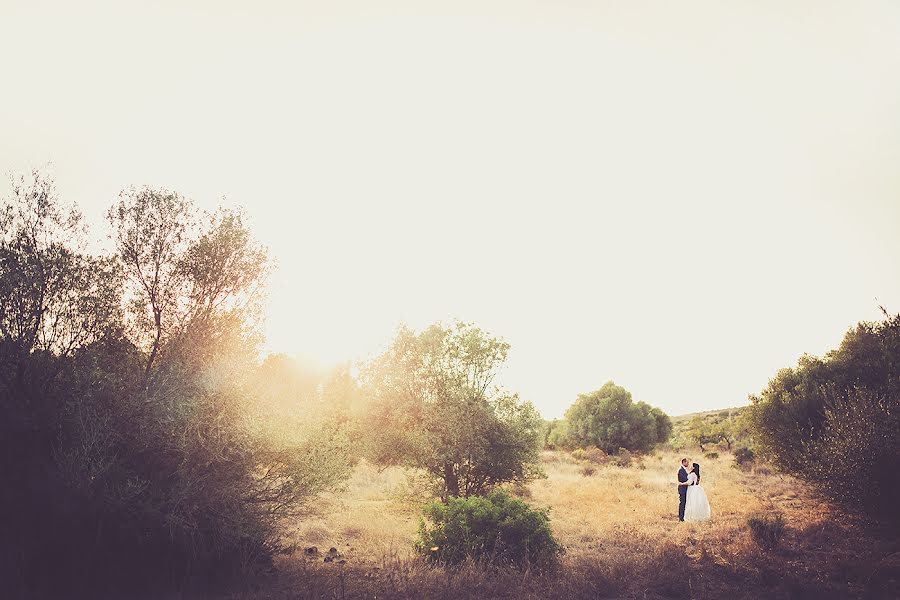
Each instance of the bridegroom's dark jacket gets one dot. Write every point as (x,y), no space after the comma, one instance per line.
(682,478)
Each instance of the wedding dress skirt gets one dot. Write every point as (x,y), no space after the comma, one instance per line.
(696,508)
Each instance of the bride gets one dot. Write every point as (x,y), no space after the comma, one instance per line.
(697,506)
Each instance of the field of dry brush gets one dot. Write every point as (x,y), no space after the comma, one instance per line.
(621,534)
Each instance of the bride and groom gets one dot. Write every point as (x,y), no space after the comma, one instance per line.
(692,502)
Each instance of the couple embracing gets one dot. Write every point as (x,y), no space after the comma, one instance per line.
(692,502)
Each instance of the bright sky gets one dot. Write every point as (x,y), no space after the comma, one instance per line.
(680,196)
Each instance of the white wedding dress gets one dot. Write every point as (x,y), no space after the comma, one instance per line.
(696,508)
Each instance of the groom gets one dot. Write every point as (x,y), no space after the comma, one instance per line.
(682,487)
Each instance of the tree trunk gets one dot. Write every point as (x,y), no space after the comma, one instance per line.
(451,482)
(157,318)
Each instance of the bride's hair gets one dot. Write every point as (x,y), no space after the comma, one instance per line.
(696,469)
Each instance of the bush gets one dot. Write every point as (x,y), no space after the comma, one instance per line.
(588,470)
(711,455)
(556,435)
(766,531)
(596,456)
(579,454)
(494,528)
(743,456)
(622,459)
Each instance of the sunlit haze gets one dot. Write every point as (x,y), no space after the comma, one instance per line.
(682,197)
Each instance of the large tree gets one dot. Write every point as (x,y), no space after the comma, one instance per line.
(609,419)
(835,421)
(129,426)
(435,406)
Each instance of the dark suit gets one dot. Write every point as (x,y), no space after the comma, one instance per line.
(682,492)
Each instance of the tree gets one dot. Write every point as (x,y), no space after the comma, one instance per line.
(434,407)
(556,434)
(176,282)
(726,431)
(663,425)
(844,405)
(609,419)
(129,426)
(56,303)
(702,433)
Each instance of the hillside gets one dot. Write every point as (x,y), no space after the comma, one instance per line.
(709,414)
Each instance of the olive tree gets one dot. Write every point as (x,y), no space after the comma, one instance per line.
(835,420)
(609,419)
(130,428)
(434,406)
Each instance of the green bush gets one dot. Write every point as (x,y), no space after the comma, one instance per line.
(711,455)
(766,531)
(494,528)
(556,435)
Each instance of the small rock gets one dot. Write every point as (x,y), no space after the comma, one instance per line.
(312,550)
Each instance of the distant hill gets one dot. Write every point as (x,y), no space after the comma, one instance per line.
(714,423)
(708,414)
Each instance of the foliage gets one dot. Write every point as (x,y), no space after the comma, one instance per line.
(128,424)
(702,434)
(596,456)
(434,407)
(743,456)
(721,428)
(556,435)
(609,419)
(835,421)
(711,455)
(863,429)
(766,531)
(622,459)
(496,528)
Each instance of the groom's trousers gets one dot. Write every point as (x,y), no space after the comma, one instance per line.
(682,499)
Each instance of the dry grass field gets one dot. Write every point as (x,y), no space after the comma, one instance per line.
(621,534)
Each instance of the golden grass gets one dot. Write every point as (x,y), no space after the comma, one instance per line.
(375,516)
(621,533)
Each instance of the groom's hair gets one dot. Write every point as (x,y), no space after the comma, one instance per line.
(684,460)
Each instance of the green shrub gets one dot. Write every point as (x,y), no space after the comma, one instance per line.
(579,454)
(494,528)
(766,531)
(711,455)
(556,435)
